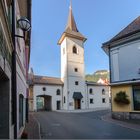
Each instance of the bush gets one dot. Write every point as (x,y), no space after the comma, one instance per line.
(121,98)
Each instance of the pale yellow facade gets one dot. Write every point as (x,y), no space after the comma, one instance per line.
(122,108)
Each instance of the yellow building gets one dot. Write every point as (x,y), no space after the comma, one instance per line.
(124,55)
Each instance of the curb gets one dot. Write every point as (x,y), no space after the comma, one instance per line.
(108,118)
(81,111)
(39,130)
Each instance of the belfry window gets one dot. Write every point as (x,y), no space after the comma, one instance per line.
(74,50)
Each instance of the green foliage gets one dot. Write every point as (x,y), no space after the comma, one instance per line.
(121,98)
(104,74)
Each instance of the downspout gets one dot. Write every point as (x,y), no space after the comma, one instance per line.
(110,75)
(14,78)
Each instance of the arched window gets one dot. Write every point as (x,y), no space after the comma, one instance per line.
(74,50)
(103,91)
(90,91)
(58,92)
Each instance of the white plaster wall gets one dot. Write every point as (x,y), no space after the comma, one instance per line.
(51,91)
(21,72)
(125,64)
(64,72)
(70,61)
(97,97)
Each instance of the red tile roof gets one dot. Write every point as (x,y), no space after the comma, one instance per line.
(47,80)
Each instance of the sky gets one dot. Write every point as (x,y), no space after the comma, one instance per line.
(97,20)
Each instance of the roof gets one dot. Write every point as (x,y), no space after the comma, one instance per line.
(95,84)
(132,28)
(47,80)
(71,28)
(71,24)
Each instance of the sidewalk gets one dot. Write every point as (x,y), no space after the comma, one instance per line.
(32,128)
(82,110)
(126,123)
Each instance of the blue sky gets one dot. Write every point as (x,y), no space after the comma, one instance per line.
(98,20)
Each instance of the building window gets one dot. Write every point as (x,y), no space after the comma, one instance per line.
(90,91)
(136,98)
(64,99)
(103,91)
(91,101)
(76,69)
(74,50)
(44,89)
(21,111)
(58,92)
(103,100)
(76,83)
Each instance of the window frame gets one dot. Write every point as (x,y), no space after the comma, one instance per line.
(91,101)
(103,100)
(90,91)
(58,92)
(103,91)
(74,50)
(135,107)
(75,69)
(76,83)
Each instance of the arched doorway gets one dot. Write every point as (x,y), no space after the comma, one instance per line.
(44,103)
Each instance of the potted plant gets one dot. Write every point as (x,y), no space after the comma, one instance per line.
(122,98)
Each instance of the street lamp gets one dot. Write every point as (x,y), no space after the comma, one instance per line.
(24,24)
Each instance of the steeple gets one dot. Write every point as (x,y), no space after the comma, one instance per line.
(71,24)
(71,28)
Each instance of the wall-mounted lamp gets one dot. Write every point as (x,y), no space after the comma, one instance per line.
(24,24)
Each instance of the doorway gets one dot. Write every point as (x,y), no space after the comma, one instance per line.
(58,105)
(4,105)
(77,103)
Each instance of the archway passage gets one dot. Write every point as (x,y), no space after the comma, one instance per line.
(44,103)
(4,105)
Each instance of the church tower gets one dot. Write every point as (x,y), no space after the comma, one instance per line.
(72,66)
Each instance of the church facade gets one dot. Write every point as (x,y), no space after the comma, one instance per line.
(71,91)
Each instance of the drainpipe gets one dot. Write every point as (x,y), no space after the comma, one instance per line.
(14,78)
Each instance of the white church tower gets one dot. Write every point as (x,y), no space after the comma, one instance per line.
(72,66)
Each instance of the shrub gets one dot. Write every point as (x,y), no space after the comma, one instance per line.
(121,98)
